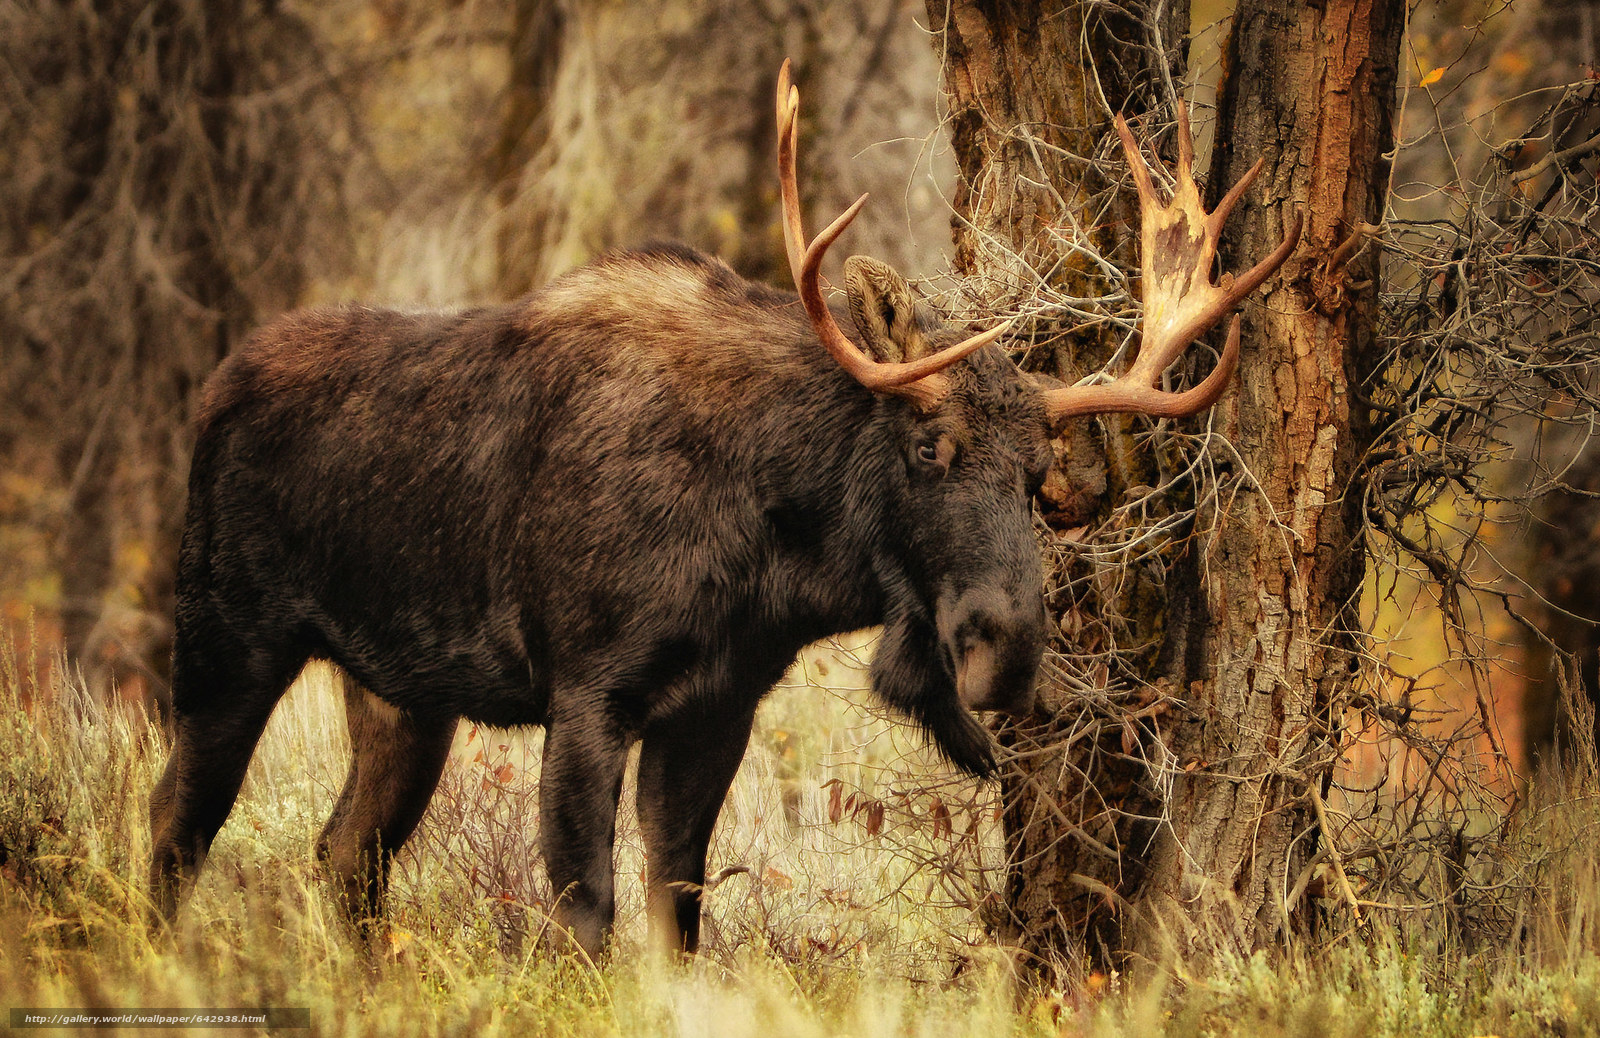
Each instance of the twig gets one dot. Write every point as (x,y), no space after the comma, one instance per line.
(1577,151)
(1334,856)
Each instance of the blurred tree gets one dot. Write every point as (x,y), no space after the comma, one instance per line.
(538,37)
(1543,47)
(1183,809)
(1565,574)
(655,122)
(159,188)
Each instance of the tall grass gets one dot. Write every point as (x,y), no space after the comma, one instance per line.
(832,930)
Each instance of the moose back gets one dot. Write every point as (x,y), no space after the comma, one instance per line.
(618,508)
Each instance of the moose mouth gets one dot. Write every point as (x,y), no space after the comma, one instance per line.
(975,673)
(993,654)
(982,684)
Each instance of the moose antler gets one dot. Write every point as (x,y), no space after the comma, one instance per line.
(919,380)
(1177,243)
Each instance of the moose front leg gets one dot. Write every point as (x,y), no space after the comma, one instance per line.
(579,785)
(686,765)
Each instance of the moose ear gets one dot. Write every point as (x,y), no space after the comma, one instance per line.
(884,309)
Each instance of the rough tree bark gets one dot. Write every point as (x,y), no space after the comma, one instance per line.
(1184,812)
(1278,565)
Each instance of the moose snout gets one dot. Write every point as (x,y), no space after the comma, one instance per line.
(993,643)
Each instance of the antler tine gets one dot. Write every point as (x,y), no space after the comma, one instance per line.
(1224,209)
(788,185)
(1178,243)
(811,262)
(1127,397)
(1136,165)
(914,379)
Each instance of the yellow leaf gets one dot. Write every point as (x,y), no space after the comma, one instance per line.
(1432,77)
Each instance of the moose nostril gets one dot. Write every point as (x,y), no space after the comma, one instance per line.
(992,646)
(987,614)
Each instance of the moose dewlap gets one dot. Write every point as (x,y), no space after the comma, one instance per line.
(618,508)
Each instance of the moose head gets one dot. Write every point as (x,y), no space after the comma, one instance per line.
(975,435)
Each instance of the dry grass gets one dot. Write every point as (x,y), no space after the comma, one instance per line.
(832,931)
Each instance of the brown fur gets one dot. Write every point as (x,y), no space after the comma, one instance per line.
(616,508)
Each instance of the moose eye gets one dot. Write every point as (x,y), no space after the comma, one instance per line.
(933,457)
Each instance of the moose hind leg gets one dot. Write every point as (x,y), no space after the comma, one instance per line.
(219,713)
(395,763)
(685,768)
(579,785)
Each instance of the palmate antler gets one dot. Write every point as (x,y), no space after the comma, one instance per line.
(1177,244)
(919,379)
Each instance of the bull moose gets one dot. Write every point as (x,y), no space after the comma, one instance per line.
(618,508)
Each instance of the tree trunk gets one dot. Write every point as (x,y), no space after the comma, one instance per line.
(1183,811)
(1273,655)
(1025,85)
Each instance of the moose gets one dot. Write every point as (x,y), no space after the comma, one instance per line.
(618,508)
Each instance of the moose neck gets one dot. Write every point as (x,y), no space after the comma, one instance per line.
(831,507)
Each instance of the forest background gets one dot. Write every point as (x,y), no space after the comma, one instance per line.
(176,173)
